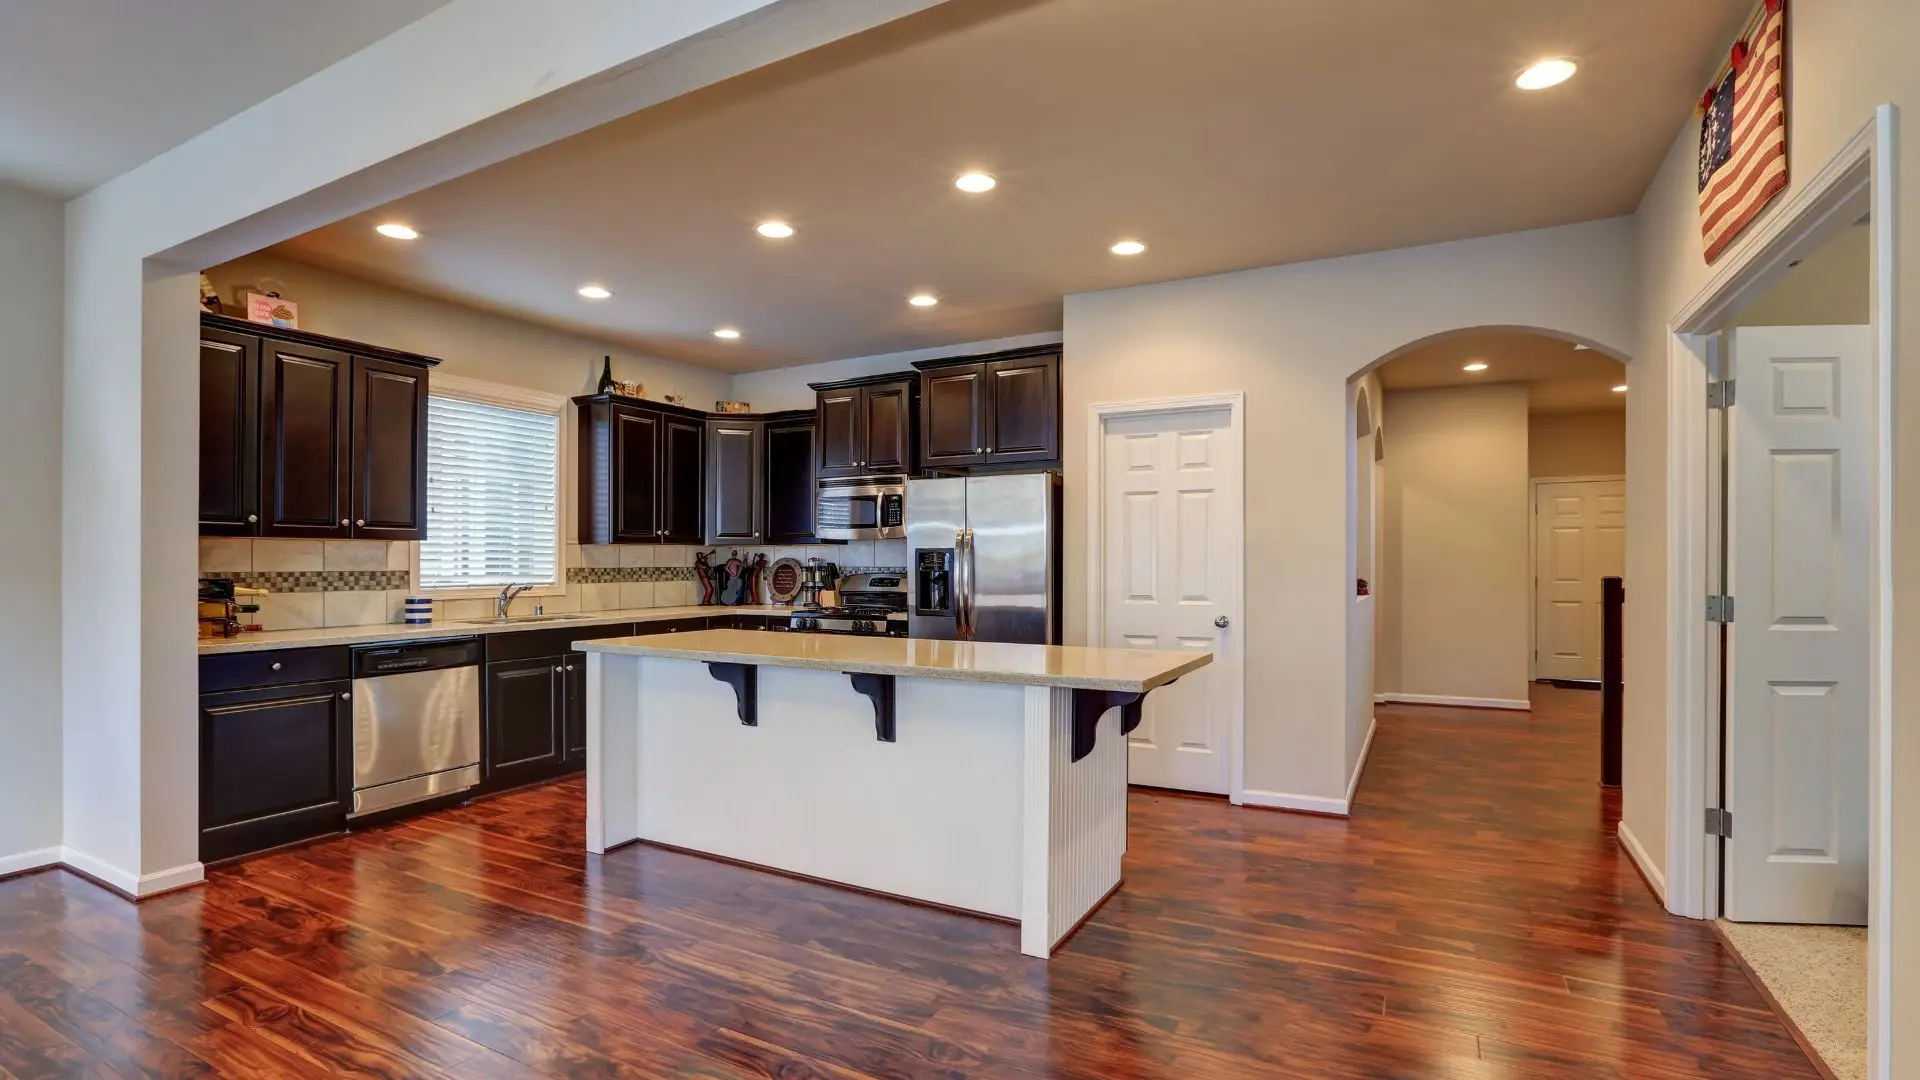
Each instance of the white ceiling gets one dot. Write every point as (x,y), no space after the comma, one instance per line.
(1225,134)
(1560,378)
(92,88)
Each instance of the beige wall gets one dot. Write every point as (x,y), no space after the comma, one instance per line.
(1847,57)
(1830,288)
(1364,482)
(473,344)
(1454,589)
(30,343)
(1577,444)
(1291,337)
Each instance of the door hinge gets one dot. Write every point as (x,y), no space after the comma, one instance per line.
(1719,822)
(1720,394)
(1719,609)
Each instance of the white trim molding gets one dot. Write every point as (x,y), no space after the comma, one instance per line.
(1656,880)
(1235,403)
(1360,763)
(29,860)
(137,887)
(1450,701)
(1318,804)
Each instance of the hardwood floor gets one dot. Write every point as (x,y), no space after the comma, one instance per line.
(1475,919)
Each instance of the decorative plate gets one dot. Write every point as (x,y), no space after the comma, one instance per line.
(783,581)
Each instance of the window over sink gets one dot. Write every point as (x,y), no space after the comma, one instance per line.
(493,490)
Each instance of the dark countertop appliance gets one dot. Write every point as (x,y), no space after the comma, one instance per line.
(869,604)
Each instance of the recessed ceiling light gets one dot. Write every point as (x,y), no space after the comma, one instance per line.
(1621,389)
(594,292)
(974,183)
(923,300)
(1477,365)
(1128,247)
(396,231)
(774,230)
(1546,73)
(726,333)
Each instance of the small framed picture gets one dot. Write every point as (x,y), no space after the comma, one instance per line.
(732,407)
(273,311)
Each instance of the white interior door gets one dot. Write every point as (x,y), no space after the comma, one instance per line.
(1799,489)
(1172,509)
(1579,533)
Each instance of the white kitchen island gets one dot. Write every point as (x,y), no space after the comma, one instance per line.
(983,777)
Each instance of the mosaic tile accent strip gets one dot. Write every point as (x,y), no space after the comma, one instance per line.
(322,581)
(901,570)
(609,575)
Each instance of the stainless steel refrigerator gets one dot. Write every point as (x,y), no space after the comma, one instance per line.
(984,554)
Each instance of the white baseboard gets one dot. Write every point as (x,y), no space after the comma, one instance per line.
(1516,704)
(138,886)
(1280,800)
(1379,699)
(28,860)
(1631,845)
(1360,763)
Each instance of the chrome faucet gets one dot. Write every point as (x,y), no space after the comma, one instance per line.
(506,599)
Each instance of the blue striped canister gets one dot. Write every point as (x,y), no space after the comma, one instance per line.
(419,611)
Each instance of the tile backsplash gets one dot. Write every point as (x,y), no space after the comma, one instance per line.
(314,583)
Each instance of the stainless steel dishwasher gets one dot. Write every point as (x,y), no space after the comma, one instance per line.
(416,722)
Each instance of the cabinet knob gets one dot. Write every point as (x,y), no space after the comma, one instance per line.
(989,449)
(557,667)
(346,697)
(251,518)
(276,665)
(343,521)
(359,522)
(569,667)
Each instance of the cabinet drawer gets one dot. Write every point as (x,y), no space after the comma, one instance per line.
(673,626)
(282,667)
(549,641)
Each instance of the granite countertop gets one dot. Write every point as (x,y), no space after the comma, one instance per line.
(380,633)
(1071,666)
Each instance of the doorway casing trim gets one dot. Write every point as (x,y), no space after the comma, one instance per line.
(1533,555)
(1857,180)
(1235,404)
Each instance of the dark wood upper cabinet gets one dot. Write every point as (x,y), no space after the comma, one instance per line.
(1023,409)
(867,426)
(306,440)
(389,450)
(953,419)
(840,437)
(736,481)
(229,433)
(303,435)
(683,479)
(790,471)
(1001,409)
(640,472)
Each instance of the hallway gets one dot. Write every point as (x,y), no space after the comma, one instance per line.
(1474,920)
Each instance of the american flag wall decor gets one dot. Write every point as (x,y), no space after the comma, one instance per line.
(1743,134)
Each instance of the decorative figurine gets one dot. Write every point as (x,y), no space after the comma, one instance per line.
(704,570)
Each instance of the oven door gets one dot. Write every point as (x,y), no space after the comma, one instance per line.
(861,510)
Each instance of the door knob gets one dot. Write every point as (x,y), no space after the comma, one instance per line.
(1220,621)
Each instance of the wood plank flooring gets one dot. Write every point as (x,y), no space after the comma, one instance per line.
(1475,919)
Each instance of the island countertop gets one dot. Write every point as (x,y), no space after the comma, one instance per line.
(1069,666)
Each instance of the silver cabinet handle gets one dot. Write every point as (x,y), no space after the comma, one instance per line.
(359,522)
(1220,621)
(343,521)
(276,665)
(251,518)
(346,697)
(557,667)
(569,667)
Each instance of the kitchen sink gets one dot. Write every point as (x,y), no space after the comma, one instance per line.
(516,620)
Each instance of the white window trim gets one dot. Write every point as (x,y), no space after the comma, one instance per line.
(511,397)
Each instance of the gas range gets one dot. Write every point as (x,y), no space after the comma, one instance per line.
(876,604)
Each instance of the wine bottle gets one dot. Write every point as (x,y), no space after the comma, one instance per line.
(606,377)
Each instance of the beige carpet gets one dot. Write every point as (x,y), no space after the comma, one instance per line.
(1818,974)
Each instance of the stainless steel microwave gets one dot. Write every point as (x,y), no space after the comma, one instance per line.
(869,508)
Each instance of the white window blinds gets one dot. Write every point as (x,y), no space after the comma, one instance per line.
(493,496)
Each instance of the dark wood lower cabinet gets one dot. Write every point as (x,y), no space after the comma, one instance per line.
(525,703)
(575,719)
(276,766)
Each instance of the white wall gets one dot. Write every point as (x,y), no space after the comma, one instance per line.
(1846,57)
(1577,444)
(1455,590)
(1291,337)
(472,344)
(786,388)
(1364,477)
(30,334)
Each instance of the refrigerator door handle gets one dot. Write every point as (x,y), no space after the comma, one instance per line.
(963,570)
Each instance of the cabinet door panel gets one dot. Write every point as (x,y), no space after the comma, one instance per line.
(636,476)
(229,434)
(389,450)
(1024,409)
(886,424)
(304,440)
(790,480)
(734,482)
(524,703)
(953,421)
(275,766)
(842,443)
(682,516)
